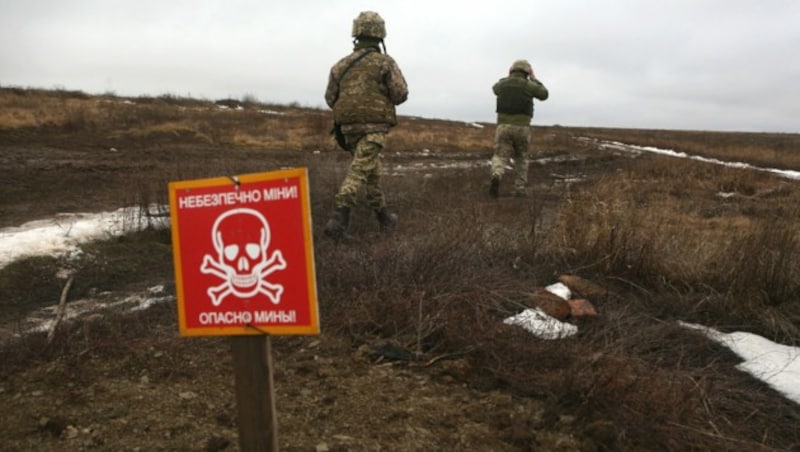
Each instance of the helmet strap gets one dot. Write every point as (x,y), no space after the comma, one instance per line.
(364,42)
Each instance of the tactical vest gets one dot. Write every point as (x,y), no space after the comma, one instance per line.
(363,97)
(511,97)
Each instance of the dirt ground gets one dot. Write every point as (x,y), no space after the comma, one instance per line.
(166,393)
(128,382)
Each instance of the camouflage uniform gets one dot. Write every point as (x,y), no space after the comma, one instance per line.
(363,90)
(515,95)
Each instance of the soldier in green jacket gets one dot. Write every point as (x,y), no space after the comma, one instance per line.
(515,95)
(363,90)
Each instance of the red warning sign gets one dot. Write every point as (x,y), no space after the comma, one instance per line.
(244,255)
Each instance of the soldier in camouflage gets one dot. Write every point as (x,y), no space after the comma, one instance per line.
(363,90)
(515,95)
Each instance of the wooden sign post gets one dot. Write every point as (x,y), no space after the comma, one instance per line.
(244,267)
(255,401)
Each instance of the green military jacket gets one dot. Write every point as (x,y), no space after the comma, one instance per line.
(364,88)
(515,95)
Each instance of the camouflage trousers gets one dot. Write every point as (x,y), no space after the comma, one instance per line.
(364,171)
(511,142)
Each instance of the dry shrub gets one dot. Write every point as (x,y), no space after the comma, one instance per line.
(652,384)
(607,230)
(762,262)
(446,292)
(758,273)
(112,335)
(662,209)
(419,278)
(662,224)
(28,281)
(428,280)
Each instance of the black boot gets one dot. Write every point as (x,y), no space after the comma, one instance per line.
(386,219)
(494,188)
(336,228)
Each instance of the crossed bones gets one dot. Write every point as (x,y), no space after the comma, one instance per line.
(260,271)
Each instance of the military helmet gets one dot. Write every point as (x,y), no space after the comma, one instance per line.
(369,24)
(520,66)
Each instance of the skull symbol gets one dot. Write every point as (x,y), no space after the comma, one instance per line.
(241,238)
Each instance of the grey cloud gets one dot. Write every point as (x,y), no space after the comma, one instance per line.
(628,63)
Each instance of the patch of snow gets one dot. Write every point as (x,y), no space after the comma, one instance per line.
(789,174)
(775,364)
(63,233)
(559,289)
(542,325)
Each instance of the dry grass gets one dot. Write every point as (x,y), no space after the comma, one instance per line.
(672,239)
(244,123)
(769,150)
(671,223)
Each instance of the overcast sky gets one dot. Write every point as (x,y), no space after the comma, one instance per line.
(678,64)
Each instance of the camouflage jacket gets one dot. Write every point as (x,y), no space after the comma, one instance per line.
(363,99)
(515,95)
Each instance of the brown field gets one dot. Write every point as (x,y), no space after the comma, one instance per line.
(413,353)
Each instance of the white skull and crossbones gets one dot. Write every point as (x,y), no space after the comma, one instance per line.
(241,238)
